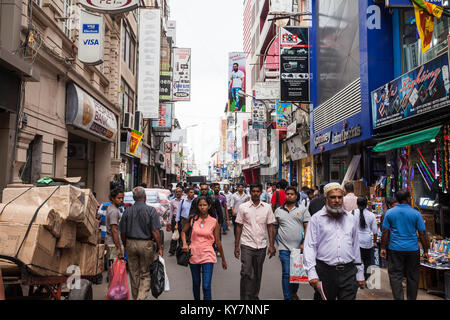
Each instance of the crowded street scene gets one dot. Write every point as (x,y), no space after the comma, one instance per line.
(240,150)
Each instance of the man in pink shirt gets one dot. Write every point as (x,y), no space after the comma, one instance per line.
(253,219)
(350,198)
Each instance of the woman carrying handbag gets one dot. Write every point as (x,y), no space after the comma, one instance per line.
(204,231)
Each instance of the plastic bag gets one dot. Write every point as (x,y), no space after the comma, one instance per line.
(297,272)
(176,235)
(158,281)
(166,278)
(118,288)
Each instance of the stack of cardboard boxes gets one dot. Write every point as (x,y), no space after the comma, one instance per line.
(64,231)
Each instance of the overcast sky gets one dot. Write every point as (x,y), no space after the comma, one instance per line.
(212,28)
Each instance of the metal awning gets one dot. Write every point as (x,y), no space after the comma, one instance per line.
(407,140)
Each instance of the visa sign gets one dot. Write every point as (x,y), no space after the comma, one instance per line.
(91,28)
(90,42)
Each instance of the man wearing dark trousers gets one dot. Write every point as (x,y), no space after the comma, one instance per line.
(331,250)
(400,226)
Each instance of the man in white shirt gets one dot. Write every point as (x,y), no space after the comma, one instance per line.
(237,199)
(350,198)
(236,81)
(332,258)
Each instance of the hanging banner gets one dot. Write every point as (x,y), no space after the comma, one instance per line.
(223,135)
(236,81)
(296,148)
(165,85)
(418,92)
(116,6)
(258,115)
(252,135)
(281,6)
(291,129)
(294,64)
(262,133)
(91,38)
(269,90)
(164,122)
(149,62)
(283,112)
(135,140)
(274,149)
(181,74)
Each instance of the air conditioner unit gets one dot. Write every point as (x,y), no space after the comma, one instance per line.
(138,121)
(128,121)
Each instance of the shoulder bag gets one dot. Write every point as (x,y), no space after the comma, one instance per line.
(183,257)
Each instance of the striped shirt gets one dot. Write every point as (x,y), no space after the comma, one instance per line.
(102,212)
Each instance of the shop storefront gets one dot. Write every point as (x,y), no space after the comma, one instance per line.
(91,140)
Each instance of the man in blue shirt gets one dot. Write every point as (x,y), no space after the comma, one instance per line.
(400,225)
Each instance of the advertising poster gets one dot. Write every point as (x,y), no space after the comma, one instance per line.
(283,113)
(267,90)
(258,115)
(415,93)
(236,81)
(294,64)
(296,148)
(135,140)
(181,85)
(149,62)
(164,122)
(165,84)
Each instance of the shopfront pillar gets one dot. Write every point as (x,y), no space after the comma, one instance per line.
(102,174)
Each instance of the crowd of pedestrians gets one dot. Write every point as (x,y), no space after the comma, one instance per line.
(333,228)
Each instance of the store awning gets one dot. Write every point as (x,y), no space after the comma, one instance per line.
(407,140)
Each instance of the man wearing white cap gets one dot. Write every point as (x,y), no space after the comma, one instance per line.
(332,258)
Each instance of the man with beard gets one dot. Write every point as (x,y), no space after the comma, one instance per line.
(332,258)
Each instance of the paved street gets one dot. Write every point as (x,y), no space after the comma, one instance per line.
(225,283)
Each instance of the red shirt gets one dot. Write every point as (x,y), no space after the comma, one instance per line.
(281,197)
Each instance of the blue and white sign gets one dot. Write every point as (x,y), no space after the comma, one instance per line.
(91,28)
(408,3)
(90,42)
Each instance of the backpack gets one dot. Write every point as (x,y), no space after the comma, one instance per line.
(277,200)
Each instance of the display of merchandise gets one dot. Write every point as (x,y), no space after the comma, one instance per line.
(307,176)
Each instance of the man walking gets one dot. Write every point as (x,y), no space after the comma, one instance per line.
(228,196)
(223,206)
(291,223)
(183,211)
(113,244)
(237,199)
(331,250)
(139,229)
(400,224)
(174,204)
(253,219)
(350,200)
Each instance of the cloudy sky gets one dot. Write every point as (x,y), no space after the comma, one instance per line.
(212,28)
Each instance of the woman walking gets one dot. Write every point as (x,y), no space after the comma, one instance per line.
(367,232)
(205,232)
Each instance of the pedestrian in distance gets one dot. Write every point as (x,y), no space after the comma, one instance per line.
(317,203)
(332,258)
(223,205)
(304,193)
(350,200)
(113,243)
(183,211)
(228,195)
(205,232)
(139,229)
(291,224)
(174,204)
(254,223)
(400,226)
(368,233)
(278,197)
(237,199)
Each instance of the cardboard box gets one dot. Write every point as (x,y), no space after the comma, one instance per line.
(69,257)
(94,238)
(88,226)
(101,258)
(38,250)
(22,214)
(68,200)
(68,235)
(88,258)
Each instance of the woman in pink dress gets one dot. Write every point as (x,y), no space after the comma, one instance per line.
(205,231)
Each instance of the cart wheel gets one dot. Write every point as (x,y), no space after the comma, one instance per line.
(84,293)
(13,291)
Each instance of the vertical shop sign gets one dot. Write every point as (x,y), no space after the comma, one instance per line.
(283,112)
(181,74)
(165,86)
(258,115)
(91,38)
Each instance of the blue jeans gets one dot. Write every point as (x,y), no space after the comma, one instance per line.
(236,98)
(207,270)
(288,288)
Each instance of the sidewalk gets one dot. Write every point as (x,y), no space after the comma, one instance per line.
(385,293)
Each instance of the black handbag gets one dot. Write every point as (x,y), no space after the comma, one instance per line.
(182,256)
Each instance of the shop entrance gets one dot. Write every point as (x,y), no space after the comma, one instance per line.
(80,160)
(338,167)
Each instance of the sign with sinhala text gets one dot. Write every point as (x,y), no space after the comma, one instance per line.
(115,6)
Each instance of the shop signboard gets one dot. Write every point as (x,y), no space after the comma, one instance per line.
(291,129)
(294,64)
(149,62)
(269,90)
(223,135)
(181,74)
(85,112)
(172,31)
(236,81)
(408,3)
(164,122)
(258,115)
(281,6)
(416,93)
(165,84)
(135,140)
(274,150)
(116,6)
(262,133)
(296,148)
(145,155)
(91,38)
(283,111)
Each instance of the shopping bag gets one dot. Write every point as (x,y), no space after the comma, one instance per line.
(118,287)
(176,235)
(166,278)
(297,272)
(158,281)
